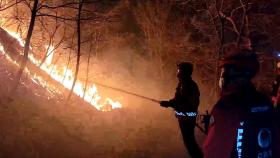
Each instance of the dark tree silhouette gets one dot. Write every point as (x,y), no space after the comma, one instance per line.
(78,49)
(26,46)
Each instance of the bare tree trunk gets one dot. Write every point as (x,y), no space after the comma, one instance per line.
(79,48)
(88,60)
(96,42)
(26,46)
(54,64)
(244,28)
(221,48)
(48,52)
(69,58)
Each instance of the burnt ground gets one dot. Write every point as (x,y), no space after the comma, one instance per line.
(35,123)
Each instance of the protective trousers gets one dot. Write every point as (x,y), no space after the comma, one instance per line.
(187,130)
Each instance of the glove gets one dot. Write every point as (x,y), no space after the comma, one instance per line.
(164,104)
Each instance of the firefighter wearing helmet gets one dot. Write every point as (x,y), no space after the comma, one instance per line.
(241,123)
(185,103)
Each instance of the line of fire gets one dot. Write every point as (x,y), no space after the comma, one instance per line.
(139,78)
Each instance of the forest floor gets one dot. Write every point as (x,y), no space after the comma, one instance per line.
(36,124)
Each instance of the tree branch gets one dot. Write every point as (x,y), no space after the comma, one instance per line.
(17,2)
(231,21)
(69,18)
(79,49)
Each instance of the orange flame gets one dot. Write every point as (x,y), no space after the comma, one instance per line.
(66,78)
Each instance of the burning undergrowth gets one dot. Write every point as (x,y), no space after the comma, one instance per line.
(119,67)
(42,126)
(62,75)
(75,130)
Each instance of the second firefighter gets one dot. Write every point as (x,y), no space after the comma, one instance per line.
(185,103)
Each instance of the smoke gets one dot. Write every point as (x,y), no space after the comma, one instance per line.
(49,128)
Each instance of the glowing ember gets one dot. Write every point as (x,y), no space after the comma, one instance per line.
(66,78)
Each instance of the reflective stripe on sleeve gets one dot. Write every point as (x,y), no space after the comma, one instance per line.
(188,114)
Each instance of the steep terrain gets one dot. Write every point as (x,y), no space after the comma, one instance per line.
(36,123)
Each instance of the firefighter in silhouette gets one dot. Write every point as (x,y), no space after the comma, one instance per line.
(185,103)
(241,124)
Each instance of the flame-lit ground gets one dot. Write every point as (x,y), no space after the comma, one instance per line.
(65,76)
(33,126)
(38,124)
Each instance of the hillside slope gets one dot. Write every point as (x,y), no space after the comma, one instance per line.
(36,123)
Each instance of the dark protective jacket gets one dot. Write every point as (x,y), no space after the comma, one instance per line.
(239,120)
(185,104)
(186,98)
